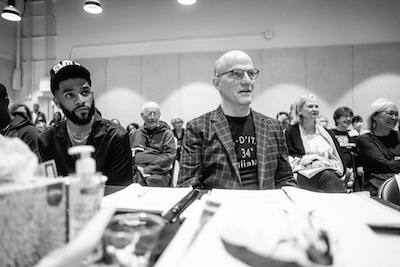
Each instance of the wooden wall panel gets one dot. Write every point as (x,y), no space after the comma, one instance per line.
(283,79)
(124,92)
(376,74)
(197,94)
(329,78)
(160,78)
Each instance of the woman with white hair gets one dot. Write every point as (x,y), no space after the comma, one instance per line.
(380,148)
(314,154)
(179,132)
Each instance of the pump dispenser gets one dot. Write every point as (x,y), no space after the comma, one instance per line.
(85,166)
(85,190)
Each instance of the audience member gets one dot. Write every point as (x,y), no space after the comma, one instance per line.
(311,147)
(132,126)
(179,132)
(323,121)
(71,87)
(158,147)
(357,124)
(342,117)
(37,115)
(235,147)
(283,118)
(41,126)
(56,118)
(22,109)
(380,148)
(17,125)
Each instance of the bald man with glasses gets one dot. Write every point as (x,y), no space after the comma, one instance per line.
(235,147)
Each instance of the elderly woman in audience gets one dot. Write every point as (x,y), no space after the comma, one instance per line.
(380,148)
(315,155)
(179,132)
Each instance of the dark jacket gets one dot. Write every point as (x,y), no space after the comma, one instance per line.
(378,158)
(23,128)
(159,148)
(112,152)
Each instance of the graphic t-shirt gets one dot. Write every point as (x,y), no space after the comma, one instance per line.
(243,133)
(348,145)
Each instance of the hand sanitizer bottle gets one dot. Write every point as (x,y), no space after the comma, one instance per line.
(86,189)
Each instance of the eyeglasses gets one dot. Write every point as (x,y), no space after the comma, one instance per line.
(154,113)
(346,117)
(237,74)
(391,113)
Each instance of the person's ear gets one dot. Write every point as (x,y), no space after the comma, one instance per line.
(57,102)
(216,83)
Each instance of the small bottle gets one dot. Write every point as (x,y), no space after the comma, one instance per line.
(85,190)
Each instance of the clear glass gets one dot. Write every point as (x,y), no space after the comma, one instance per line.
(132,237)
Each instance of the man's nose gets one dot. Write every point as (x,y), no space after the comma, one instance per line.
(80,99)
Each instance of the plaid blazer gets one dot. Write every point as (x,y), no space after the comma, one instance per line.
(209,158)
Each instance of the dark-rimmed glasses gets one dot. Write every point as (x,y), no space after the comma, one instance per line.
(238,74)
(391,113)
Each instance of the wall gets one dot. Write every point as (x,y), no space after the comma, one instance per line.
(350,76)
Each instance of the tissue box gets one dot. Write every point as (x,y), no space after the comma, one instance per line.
(33,220)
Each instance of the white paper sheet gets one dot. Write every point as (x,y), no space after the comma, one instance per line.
(147,199)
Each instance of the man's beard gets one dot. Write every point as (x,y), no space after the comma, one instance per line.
(75,119)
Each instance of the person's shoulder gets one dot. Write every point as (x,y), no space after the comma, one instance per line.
(113,128)
(267,119)
(204,118)
(28,129)
(292,128)
(364,136)
(52,130)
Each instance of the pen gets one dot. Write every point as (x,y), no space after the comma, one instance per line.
(144,192)
(172,214)
(288,196)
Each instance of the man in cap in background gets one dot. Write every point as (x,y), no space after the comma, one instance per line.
(71,87)
(16,125)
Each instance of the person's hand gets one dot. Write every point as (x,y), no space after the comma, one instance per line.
(306,160)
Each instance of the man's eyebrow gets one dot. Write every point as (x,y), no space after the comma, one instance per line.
(67,90)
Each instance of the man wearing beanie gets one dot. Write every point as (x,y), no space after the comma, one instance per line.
(16,125)
(71,87)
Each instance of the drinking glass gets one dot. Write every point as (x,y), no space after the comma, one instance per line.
(130,238)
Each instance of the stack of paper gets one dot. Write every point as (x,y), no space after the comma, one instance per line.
(147,199)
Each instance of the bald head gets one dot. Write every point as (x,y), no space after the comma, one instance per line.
(227,60)
(151,115)
(150,105)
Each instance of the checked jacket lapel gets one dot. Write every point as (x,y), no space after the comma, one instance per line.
(221,128)
(262,136)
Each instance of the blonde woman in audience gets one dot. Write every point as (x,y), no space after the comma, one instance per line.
(314,153)
(380,148)
(179,132)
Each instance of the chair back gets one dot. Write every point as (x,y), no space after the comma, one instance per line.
(389,191)
(175,174)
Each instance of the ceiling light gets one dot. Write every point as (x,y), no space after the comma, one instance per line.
(10,12)
(187,2)
(93,7)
